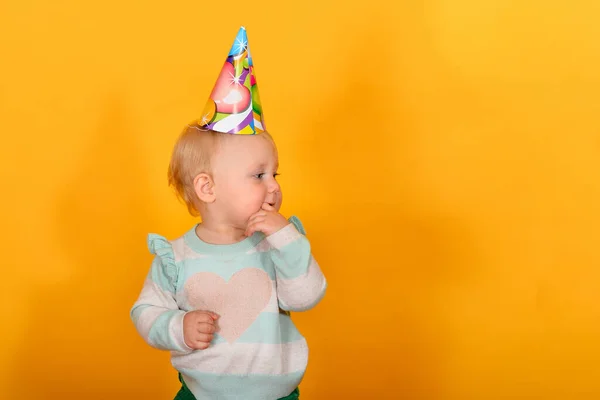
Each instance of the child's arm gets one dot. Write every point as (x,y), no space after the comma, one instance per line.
(300,282)
(156,314)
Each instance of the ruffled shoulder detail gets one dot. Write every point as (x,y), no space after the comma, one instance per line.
(163,250)
(296,222)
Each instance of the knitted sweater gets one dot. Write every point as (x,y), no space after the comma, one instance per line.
(257,353)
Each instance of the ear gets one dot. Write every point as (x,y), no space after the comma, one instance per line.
(204,186)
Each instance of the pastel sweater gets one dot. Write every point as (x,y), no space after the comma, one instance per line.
(258,353)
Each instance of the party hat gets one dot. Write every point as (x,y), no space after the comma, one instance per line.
(234,105)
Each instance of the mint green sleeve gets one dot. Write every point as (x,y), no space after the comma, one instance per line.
(155,314)
(300,281)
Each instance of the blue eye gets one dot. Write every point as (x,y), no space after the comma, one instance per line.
(262,175)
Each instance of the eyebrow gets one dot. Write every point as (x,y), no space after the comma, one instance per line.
(263,165)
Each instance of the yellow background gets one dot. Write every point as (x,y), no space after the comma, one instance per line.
(443,155)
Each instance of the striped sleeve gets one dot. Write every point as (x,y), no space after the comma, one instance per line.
(156,314)
(300,282)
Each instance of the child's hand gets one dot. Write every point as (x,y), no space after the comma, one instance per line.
(267,221)
(198,328)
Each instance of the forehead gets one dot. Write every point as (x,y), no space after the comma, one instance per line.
(247,150)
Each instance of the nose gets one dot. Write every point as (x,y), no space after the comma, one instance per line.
(274,186)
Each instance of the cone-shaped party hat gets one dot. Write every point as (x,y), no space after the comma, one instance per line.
(234,105)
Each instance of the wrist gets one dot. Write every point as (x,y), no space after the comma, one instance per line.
(287,234)
(180,331)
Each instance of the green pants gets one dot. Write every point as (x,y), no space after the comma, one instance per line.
(185,394)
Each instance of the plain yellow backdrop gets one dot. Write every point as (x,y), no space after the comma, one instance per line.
(442,154)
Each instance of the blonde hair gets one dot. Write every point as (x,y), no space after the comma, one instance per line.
(192,155)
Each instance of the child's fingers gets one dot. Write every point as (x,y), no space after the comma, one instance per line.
(251,224)
(257,217)
(254,224)
(200,345)
(204,337)
(255,227)
(211,315)
(207,328)
(261,213)
(204,317)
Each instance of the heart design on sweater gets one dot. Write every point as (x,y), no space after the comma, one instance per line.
(238,302)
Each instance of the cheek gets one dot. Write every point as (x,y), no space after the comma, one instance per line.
(256,194)
(249,196)
(228,193)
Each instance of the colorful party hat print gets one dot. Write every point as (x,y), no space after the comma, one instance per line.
(234,105)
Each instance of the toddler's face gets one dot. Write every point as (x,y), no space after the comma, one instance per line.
(244,172)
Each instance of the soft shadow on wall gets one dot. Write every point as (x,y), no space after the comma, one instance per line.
(380,331)
(81,327)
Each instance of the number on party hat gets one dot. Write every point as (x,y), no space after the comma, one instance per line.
(234,104)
